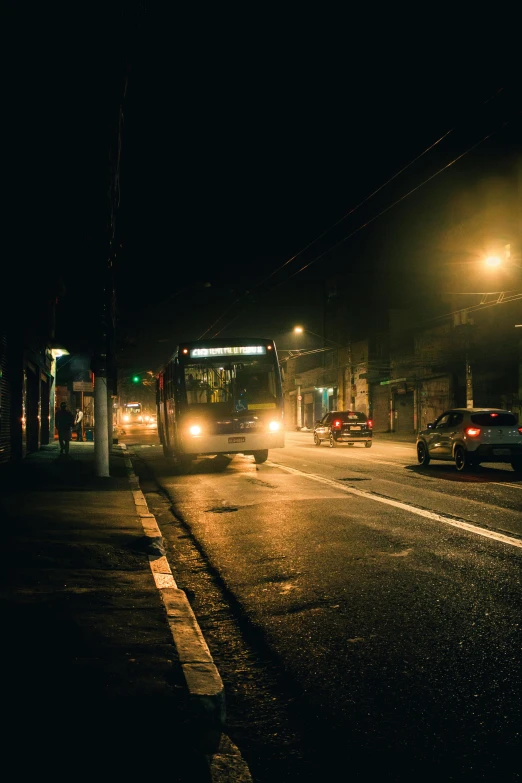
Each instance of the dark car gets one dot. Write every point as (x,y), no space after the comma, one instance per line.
(348,427)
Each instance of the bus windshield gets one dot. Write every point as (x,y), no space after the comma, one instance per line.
(235,387)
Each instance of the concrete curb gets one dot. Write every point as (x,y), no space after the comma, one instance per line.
(204,683)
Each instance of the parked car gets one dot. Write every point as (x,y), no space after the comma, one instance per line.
(348,427)
(469,436)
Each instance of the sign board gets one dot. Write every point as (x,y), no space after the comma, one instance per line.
(299,396)
(82,386)
(233,350)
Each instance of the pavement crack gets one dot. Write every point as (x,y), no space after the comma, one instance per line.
(222,510)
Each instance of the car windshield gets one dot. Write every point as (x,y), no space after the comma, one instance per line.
(235,387)
(350,416)
(494,419)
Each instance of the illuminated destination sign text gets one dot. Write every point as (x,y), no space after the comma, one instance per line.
(235,350)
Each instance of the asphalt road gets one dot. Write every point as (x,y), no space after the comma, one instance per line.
(378,602)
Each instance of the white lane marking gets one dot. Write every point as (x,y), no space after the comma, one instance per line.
(506,484)
(479,531)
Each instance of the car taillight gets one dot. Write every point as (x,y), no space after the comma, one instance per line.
(520,430)
(472,431)
(370,424)
(337,424)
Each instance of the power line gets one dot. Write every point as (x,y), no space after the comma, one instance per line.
(473,308)
(371,220)
(387,209)
(330,228)
(334,225)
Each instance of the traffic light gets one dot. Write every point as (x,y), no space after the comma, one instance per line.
(135,378)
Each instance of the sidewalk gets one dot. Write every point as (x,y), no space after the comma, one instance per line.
(93,681)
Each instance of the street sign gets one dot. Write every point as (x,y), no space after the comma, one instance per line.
(299,396)
(82,386)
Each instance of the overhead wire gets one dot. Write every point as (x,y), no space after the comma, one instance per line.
(387,209)
(330,228)
(371,220)
(344,217)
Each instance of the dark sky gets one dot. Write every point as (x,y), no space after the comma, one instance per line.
(246,134)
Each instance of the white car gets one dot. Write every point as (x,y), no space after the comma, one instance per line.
(469,436)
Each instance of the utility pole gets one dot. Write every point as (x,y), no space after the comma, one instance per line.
(101,441)
(469,382)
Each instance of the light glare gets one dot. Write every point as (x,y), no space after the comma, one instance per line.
(493,261)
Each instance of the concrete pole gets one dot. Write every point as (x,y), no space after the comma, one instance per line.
(109,419)
(101,444)
(299,408)
(469,384)
(52,401)
(520,380)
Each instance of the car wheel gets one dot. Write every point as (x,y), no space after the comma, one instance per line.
(517,466)
(423,456)
(462,462)
(260,456)
(317,440)
(368,444)
(332,441)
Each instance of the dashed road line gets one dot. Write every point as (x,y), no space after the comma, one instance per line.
(453,521)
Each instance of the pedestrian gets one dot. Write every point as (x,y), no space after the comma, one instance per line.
(78,424)
(64,424)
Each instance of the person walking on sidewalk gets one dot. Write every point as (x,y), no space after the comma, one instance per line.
(64,424)
(78,424)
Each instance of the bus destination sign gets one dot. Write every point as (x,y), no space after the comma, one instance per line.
(235,350)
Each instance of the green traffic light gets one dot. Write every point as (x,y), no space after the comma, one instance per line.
(135,378)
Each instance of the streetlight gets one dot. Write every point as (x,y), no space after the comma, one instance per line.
(300,330)
(339,365)
(495,261)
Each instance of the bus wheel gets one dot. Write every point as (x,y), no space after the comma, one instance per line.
(260,456)
(167,453)
(184,462)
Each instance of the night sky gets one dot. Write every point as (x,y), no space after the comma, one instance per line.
(246,135)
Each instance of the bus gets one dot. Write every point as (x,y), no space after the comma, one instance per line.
(131,413)
(221,396)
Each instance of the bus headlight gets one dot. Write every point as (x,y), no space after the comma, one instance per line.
(274,426)
(126,418)
(195,429)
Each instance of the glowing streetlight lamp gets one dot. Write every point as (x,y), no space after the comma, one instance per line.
(493,262)
(507,258)
(301,330)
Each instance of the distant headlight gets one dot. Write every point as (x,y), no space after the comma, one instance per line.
(126,418)
(195,429)
(274,426)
